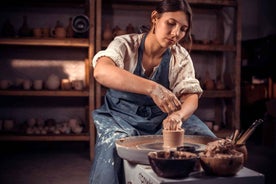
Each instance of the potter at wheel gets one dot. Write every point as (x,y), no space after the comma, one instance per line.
(129,148)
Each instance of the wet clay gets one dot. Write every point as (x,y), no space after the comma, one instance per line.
(173,138)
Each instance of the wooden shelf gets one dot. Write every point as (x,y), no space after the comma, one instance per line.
(213,47)
(49,3)
(66,42)
(71,137)
(192,2)
(84,98)
(44,93)
(199,47)
(213,2)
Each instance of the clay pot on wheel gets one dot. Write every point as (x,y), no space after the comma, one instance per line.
(173,138)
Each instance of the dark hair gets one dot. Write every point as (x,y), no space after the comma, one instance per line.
(178,5)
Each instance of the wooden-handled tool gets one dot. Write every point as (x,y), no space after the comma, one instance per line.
(249,131)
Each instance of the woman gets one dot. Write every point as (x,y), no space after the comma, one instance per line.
(151,81)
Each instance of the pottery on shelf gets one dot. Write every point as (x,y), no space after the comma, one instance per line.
(69,29)
(208,82)
(107,33)
(53,82)
(25,30)
(130,29)
(59,31)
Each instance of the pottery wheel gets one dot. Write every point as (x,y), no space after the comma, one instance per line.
(136,148)
(158,146)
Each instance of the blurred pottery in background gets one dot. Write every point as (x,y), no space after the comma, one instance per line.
(45,32)
(75,125)
(19,82)
(24,30)
(27,84)
(80,26)
(53,82)
(69,28)
(209,83)
(66,84)
(78,84)
(219,85)
(59,32)
(37,32)
(73,122)
(216,128)
(130,29)
(38,84)
(5,84)
(107,33)
(8,124)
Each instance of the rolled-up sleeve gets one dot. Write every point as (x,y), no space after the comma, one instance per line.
(123,50)
(115,51)
(182,74)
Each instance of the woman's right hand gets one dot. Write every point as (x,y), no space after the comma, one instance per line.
(165,99)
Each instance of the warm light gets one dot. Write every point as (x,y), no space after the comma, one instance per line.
(72,69)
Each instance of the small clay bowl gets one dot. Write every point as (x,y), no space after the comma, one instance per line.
(186,148)
(172,164)
(227,165)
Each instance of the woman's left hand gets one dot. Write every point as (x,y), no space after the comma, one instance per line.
(172,122)
(165,99)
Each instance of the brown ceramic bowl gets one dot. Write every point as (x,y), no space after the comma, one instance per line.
(172,164)
(222,166)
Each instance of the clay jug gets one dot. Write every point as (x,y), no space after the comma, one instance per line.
(130,29)
(59,31)
(53,82)
(209,83)
(24,30)
(69,29)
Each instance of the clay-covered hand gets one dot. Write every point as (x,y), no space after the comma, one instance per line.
(172,122)
(165,99)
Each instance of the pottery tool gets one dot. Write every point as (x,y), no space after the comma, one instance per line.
(235,136)
(244,137)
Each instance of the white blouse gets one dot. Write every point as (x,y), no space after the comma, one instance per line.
(123,50)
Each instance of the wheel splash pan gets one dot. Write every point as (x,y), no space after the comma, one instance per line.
(135,149)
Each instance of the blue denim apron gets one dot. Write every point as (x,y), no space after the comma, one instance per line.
(128,114)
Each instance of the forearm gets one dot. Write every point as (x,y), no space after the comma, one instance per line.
(108,75)
(189,104)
